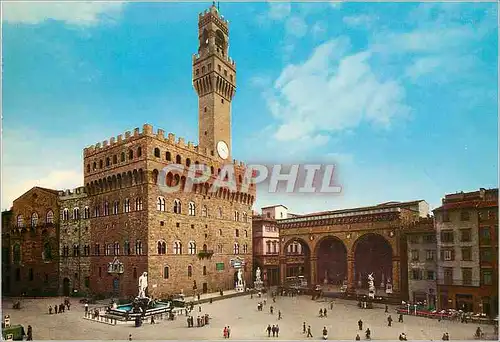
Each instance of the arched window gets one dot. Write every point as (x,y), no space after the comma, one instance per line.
(166,272)
(122,158)
(116,248)
(108,161)
(245,248)
(245,217)
(97,212)
(178,159)
(236,216)
(192,209)
(204,211)
(17,253)
(50,217)
(177,206)
(138,247)
(275,247)
(126,205)
(116,207)
(109,249)
(177,247)
(138,204)
(20,221)
(190,271)
(157,152)
(86,212)
(115,159)
(76,250)
(188,162)
(192,247)
(65,214)
(34,220)
(220,232)
(246,233)
(205,247)
(139,151)
(204,270)
(236,248)
(94,166)
(88,168)
(220,213)
(130,154)
(97,249)
(106,208)
(220,42)
(219,248)
(162,247)
(126,248)
(168,156)
(100,164)
(76,213)
(237,233)
(160,204)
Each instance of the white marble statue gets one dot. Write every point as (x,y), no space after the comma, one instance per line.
(143,285)
(240,277)
(371,282)
(257,275)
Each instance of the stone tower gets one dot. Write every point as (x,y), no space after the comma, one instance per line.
(214,79)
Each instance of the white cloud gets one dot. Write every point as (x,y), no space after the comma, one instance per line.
(332,91)
(360,20)
(38,161)
(296,26)
(319,29)
(73,13)
(279,10)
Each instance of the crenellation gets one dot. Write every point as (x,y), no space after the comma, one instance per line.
(190,145)
(119,138)
(137,132)
(171,138)
(128,134)
(180,142)
(97,146)
(147,129)
(104,144)
(112,141)
(160,134)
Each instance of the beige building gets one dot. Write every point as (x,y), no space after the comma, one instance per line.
(468,262)
(422,263)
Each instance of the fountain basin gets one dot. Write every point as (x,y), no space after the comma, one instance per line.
(125,311)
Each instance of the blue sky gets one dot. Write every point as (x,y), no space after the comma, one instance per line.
(401,97)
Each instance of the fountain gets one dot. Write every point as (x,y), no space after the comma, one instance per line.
(141,307)
(258,283)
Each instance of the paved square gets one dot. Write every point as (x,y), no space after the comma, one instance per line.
(245,321)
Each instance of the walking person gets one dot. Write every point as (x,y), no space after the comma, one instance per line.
(228,331)
(309,334)
(279,314)
(273,329)
(400,319)
(304,328)
(225,332)
(357,337)
(30,333)
(277,330)
(386,308)
(324,313)
(360,325)
(368,334)
(269,330)
(389,321)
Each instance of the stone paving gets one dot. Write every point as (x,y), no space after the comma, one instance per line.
(241,315)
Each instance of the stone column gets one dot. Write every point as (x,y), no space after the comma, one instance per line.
(395,274)
(282,266)
(313,270)
(350,273)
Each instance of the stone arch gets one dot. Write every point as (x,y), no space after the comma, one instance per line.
(136,177)
(331,263)
(119,181)
(113,179)
(372,254)
(129,179)
(141,176)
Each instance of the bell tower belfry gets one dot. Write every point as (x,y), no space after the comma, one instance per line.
(214,79)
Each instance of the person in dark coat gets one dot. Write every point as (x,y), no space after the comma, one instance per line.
(30,333)
(360,325)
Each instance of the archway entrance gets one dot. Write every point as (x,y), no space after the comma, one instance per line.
(66,284)
(235,278)
(298,262)
(372,254)
(332,262)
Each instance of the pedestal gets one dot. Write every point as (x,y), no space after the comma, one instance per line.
(240,288)
(371,294)
(258,285)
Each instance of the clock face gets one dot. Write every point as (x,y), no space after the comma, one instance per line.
(222,149)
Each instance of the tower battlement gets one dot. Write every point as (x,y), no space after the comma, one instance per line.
(128,136)
(63,194)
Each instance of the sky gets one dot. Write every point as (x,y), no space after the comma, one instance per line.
(401,97)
